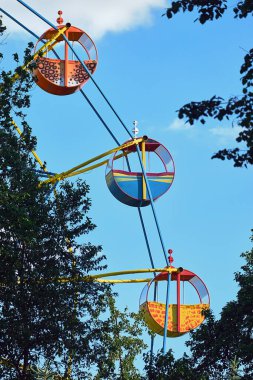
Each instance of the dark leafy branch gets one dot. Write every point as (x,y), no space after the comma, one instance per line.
(209,10)
(237,110)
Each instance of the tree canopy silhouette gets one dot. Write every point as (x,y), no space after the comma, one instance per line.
(237,109)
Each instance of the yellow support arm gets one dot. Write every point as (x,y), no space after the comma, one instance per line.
(100,277)
(42,51)
(74,170)
(144,186)
(129,281)
(93,166)
(134,271)
(32,151)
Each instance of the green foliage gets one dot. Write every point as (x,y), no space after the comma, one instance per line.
(234,370)
(236,109)
(209,10)
(166,367)
(124,343)
(217,343)
(2,29)
(44,373)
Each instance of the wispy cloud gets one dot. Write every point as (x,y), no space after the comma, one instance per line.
(220,134)
(225,134)
(97,17)
(179,125)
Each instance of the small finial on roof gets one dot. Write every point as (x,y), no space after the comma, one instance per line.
(170,251)
(59,19)
(135,130)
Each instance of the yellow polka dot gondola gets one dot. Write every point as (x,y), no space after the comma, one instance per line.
(182,317)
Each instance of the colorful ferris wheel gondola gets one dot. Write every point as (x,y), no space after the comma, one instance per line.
(64,76)
(182,317)
(130,187)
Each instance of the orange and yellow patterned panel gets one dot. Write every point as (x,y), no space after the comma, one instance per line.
(190,317)
(54,69)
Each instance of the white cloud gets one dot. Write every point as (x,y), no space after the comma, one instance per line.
(96,17)
(225,134)
(179,125)
(220,134)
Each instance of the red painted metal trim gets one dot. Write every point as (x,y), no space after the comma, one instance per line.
(178,302)
(140,173)
(66,57)
(150,146)
(74,33)
(185,275)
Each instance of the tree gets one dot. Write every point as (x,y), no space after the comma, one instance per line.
(218,343)
(42,318)
(124,343)
(234,370)
(209,10)
(164,366)
(236,109)
(43,373)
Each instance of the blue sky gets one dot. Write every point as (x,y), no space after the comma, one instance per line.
(149,67)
